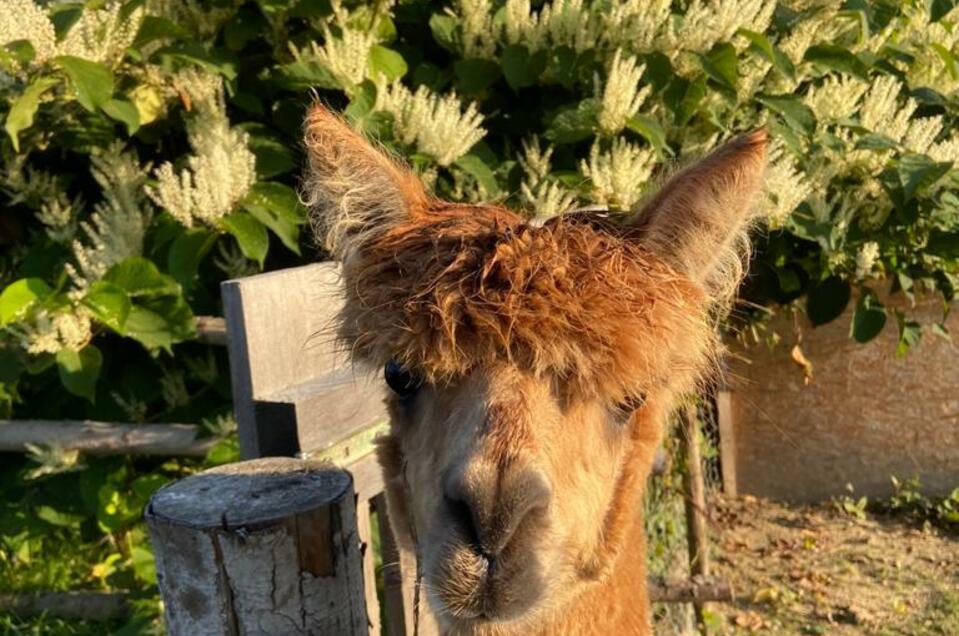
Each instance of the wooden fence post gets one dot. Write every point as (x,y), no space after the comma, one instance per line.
(695,488)
(267,546)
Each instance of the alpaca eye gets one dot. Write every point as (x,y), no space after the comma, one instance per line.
(631,404)
(403,381)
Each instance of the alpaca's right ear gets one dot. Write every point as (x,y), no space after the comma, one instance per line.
(355,191)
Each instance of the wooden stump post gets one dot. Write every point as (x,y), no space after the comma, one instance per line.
(267,546)
(695,487)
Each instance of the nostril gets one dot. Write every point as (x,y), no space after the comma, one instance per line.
(462,515)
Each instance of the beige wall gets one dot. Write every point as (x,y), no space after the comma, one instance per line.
(865,415)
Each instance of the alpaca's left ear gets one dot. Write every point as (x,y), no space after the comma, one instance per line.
(355,191)
(698,221)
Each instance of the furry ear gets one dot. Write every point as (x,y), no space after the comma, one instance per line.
(698,221)
(355,192)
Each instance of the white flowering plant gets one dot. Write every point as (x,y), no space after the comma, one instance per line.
(151,150)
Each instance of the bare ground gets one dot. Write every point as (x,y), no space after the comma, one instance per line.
(816,570)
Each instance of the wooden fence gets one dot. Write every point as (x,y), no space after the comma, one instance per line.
(285,545)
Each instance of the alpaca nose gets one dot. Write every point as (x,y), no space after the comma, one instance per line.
(490,508)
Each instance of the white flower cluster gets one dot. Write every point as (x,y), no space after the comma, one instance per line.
(866,259)
(618,174)
(544,197)
(929,44)
(881,111)
(103,34)
(836,98)
(786,186)
(346,55)
(54,331)
(24,20)
(435,124)
(59,216)
(221,169)
(476,25)
(707,22)
(621,96)
(634,25)
(203,17)
(946,150)
(118,225)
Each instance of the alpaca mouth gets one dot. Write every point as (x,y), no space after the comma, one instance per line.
(474,586)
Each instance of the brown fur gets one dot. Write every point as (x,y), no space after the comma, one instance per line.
(515,474)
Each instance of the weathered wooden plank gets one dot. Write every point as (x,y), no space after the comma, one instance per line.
(727,441)
(286,364)
(695,487)
(268,546)
(397,589)
(79,605)
(211,330)
(365,531)
(105,438)
(695,590)
(326,409)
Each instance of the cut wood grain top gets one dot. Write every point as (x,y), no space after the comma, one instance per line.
(249,494)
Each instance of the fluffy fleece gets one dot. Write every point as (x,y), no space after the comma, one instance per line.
(443,288)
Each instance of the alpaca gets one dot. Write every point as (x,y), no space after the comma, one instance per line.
(531,368)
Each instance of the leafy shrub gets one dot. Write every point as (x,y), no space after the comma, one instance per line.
(152,150)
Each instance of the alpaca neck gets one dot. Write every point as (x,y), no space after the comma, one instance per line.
(617,604)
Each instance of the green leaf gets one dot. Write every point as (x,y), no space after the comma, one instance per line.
(140,278)
(868,319)
(387,62)
(19,296)
(144,564)
(109,304)
(153,28)
(875,141)
(79,370)
(475,166)
(721,64)
(277,207)
(760,44)
(145,485)
(796,114)
(837,58)
(945,244)
(650,129)
(92,81)
(827,300)
(574,123)
(186,253)
(249,233)
(683,98)
(216,60)
(124,112)
(225,451)
(443,28)
(910,333)
(475,76)
(21,50)
(58,518)
(520,68)
(273,156)
(362,102)
(159,323)
(24,108)
(917,173)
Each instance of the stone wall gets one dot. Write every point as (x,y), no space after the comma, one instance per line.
(864,416)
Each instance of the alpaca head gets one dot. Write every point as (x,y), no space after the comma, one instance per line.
(530,366)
